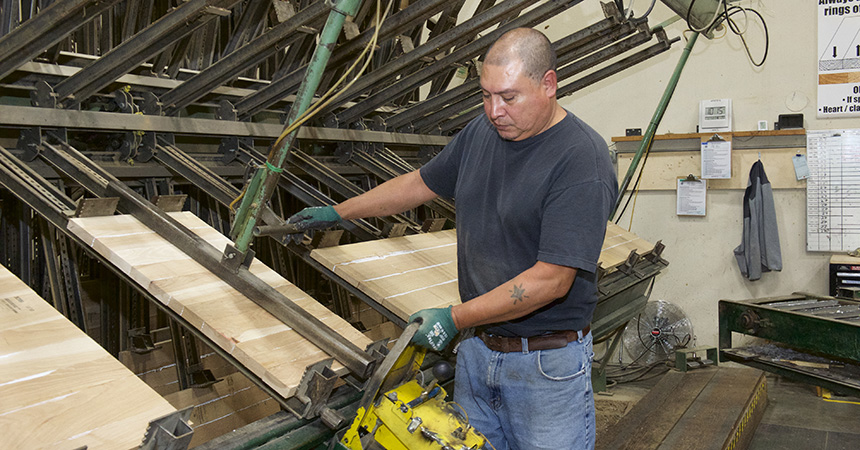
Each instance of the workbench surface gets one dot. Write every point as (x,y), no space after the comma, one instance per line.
(409,273)
(263,344)
(58,387)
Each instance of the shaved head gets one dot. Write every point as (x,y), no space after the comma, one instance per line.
(527,45)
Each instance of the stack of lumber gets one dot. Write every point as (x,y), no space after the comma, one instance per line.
(409,273)
(58,387)
(274,352)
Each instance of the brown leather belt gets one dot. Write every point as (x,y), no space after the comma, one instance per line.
(557,339)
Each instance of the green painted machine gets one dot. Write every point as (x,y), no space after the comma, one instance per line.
(810,338)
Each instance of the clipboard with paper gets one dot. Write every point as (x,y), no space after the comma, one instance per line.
(692,196)
(716,158)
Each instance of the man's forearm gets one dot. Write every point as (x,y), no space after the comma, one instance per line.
(394,196)
(527,292)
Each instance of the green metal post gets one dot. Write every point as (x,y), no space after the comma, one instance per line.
(655,121)
(253,205)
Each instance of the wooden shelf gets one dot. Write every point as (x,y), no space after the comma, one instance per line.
(678,155)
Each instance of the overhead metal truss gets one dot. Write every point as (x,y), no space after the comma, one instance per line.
(146,97)
(241,60)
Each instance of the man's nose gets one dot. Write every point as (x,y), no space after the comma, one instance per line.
(496,107)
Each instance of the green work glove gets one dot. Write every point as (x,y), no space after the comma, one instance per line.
(315,218)
(437,328)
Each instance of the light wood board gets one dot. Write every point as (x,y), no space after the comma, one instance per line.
(409,273)
(259,341)
(58,387)
(664,168)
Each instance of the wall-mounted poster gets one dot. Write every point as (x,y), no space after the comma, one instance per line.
(838,58)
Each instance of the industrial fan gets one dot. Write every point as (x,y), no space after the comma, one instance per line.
(655,334)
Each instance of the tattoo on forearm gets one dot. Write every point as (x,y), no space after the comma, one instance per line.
(518,293)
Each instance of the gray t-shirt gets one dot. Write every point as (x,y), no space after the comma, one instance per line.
(546,198)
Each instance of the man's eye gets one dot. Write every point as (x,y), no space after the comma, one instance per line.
(508,99)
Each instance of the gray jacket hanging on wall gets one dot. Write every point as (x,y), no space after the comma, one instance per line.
(759,250)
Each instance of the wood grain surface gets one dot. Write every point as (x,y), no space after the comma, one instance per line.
(409,273)
(259,341)
(58,387)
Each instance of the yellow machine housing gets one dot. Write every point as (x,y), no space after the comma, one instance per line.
(410,416)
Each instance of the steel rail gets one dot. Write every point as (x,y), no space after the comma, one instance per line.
(180,22)
(454,95)
(474,48)
(74,164)
(238,61)
(277,89)
(45,29)
(581,48)
(25,116)
(603,73)
(310,196)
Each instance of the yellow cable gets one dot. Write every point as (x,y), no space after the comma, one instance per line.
(328,97)
(241,194)
(827,396)
(841,401)
(636,189)
(633,208)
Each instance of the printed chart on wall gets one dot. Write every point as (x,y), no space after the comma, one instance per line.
(838,58)
(833,190)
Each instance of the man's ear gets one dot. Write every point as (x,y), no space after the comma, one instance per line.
(550,83)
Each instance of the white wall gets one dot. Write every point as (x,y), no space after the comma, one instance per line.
(702,267)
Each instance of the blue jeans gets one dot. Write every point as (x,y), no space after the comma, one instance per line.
(534,400)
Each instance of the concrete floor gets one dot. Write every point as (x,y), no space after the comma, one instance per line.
(795,418)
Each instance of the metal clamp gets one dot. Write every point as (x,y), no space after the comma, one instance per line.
(141,341)
(170,203)
(30,141)
(96,207)
(198,377)
(43,96)
(684,362)
(432,225)
(169,432)
(313,392)
(628,266)
(654,255)
(391,230)
(234,259)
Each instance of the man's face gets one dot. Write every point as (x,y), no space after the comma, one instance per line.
(519,107)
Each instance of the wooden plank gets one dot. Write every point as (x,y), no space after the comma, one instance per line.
(158,367)
(712,417)
(654,416)
(661,421)
(618,244)
(58,387)
(844,259)
(634,419)
(403,274)
(664,168)
(231,403)
(734,134)
(409,273)
(702,409)
(258,340)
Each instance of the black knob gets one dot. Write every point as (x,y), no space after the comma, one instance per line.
(443,370)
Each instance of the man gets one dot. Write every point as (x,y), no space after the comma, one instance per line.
(534,188)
